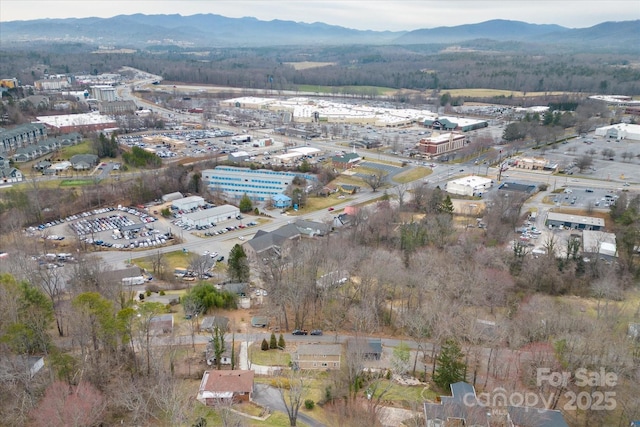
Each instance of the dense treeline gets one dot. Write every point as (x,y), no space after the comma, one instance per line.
(417,67)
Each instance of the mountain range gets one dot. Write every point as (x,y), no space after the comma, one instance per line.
(209,30)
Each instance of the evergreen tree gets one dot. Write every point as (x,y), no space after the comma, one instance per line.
(245,204)
(265,345)
(451,367)
(238,267)
(273,343)
(281,343)
(446,206)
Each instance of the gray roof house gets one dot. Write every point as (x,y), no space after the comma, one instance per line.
(9,174)
(83,161)
(367,348)
(209,322)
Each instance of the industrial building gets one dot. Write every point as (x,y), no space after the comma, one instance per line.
(188,203)
(599,244)
(556,220)
(103,93)
(87,122)
(211,216)
(469,186)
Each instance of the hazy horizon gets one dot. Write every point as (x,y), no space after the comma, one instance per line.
(401,15)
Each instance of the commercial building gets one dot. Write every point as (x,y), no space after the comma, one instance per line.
(87,122)
(188,203)
(455,123)
(620,131)
(259,184)
(577,222)
(469,186)
(211,216)
(103,93)
(439,144)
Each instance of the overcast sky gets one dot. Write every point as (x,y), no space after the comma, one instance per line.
(378,15)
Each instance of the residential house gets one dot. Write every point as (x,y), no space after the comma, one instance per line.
(523,416)
(83,161)
(367,348)
(225,357)
(457,409)
(10,174)
(464,408)
(235,386)
(210,322)
(317,356)
(21,136)
(162,324)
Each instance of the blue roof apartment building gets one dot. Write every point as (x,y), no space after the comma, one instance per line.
(259,184)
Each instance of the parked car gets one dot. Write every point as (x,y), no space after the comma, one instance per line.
(220,258)
(300,332)
(316,332)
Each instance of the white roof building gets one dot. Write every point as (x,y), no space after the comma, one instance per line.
(188,203)
(620,131)
(599,243)
(215,215)
(469,185)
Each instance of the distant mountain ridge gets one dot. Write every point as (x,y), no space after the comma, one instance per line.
(209,30)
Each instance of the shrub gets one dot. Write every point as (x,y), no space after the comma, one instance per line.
(152,288)
(273,343)
(265,345)
(162,293)
(309,404)
(148,293)
(281,343)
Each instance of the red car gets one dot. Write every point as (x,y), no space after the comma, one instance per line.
(330,209)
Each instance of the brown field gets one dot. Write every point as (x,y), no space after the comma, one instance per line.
(480,92)
(305,65)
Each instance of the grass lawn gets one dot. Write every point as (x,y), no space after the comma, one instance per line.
(412,175)
(269,357)
(76,182)
(172,259)
(82,148)
(404,395)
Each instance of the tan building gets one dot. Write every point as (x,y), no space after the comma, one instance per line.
(532,163)
(318,356)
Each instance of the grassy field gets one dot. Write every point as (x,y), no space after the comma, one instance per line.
(412,175)
(82,148)
(305,65)
(172,259)
(365,90)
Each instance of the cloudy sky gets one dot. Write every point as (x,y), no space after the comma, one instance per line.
(393,15)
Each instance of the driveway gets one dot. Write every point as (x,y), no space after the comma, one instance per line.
(269,397)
